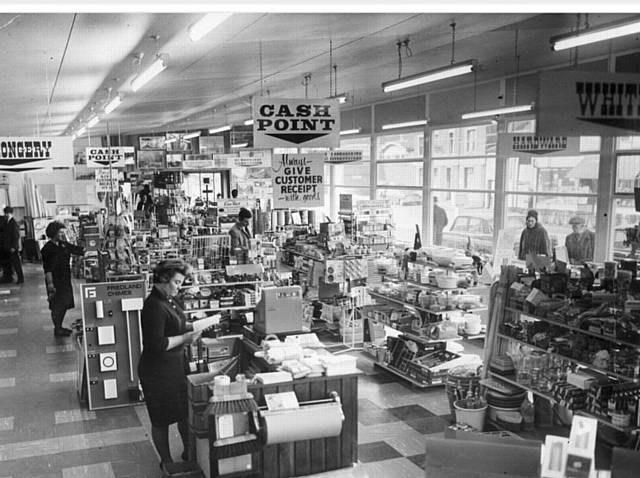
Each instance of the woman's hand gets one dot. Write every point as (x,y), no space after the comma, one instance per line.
(190,337)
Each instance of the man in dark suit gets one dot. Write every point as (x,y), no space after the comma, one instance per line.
(11,246)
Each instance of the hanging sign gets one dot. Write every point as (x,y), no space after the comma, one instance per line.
(21,153)
(298,180)
(339,156)
(583,103)
(514,144)
(308,123)
(253,158)
(103,185)
(99,157)
(197,161)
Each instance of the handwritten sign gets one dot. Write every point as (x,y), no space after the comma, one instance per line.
(298,180)
(105,182)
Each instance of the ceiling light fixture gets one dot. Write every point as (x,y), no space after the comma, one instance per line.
(81,131)
(404,125)
(93,121)
(195,134)
(450,71)
(147,75)
(239,145)
(593,35)
(226,127)
(498,111)
(73,137)
(113,104)
(206,24)
(248,122)
(342,99)
(170,140)
(350,131)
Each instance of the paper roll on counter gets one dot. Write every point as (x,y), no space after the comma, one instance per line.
(305,423)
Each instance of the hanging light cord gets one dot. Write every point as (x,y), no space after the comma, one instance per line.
(399,45)
(261,75)
(517,60)
(453,42)
(330,67)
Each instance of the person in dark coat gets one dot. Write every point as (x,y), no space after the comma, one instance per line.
(580,242)
(11,247)
(162,368)
(534,238)
(440,220)
(57,273)
(240,233)
(5,265)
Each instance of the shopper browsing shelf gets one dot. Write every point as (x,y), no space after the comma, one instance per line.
(580,242)
(165,332)
(240,234)
(534,238)
(57,273)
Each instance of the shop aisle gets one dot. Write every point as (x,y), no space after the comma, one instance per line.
(46,432)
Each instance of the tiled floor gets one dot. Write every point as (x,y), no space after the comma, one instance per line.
(45,432)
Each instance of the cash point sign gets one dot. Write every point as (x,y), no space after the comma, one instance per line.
(99,157)
(20,153)
(289,123)
(298,180)
(575,103)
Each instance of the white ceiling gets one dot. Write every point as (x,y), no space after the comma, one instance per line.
(56,67)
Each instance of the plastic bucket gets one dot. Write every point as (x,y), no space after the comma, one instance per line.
(474,417)
(457,387)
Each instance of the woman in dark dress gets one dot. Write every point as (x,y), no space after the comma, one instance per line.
(162,366)
(534,238)
(57,274)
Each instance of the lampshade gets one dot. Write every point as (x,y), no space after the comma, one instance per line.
(456,69)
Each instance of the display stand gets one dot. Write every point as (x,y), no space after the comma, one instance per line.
(111,321)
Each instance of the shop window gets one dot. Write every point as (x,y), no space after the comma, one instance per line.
(627,167)
(470,143)
(590,144)
(625,143)
(400,146)
(352,173)
(470,173)
(400,174)
(358,144)
(406,206)
(478,140)
(625,217)
(357,194)
(521,126)
(557,174)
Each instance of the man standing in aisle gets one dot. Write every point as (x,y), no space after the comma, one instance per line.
(580,242)
(240,234)
(440,220)
(11,246)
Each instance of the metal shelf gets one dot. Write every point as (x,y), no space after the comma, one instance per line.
(399,373)
(575,329)
(220,309)
(220,284)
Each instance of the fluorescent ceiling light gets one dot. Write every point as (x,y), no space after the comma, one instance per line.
(81,131)
(170,140)
(404,125)
(206,24)
(449,71)
(226,127)
(143,78)
(73,137)
(593,35)
(498,111)
(112,105)
(342,98)
(248,122)
(350,131)
(93,121)
(240,145)
(192,135)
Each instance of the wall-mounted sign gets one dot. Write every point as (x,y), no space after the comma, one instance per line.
(298,180)
(531,145)
(306,123)
(21,153)
(339,156)
(253,158)
(583,103)
(99,157)
(105,183)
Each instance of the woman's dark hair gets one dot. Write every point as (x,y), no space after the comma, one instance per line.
(53,228)
(244,213)
(166,270)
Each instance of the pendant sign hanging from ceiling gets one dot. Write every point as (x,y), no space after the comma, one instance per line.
(341,156)
(20,153)
(584,103)
(514,144)
(298,180)
(295,123)
(99,157)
